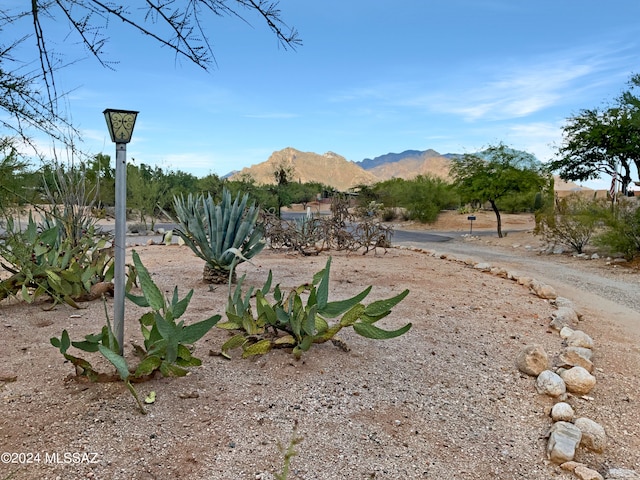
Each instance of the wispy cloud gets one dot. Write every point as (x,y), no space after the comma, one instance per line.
(494,91)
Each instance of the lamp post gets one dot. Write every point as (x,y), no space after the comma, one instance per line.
(120,123)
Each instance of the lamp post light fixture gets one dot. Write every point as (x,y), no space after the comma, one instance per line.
(120,124)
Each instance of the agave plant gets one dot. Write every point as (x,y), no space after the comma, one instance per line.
(223,234)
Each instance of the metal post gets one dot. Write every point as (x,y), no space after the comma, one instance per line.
(119,244)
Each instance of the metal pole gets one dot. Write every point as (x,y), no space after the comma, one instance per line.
(119,243)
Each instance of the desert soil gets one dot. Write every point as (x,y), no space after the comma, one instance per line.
(444,401)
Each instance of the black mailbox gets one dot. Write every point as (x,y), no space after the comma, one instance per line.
(471,217)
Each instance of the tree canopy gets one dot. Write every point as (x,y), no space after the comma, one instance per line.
(603,141)
(29,96)
(495,173)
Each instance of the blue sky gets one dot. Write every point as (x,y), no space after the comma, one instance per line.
(371,77)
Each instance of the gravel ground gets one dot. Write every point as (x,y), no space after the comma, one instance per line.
(444,401)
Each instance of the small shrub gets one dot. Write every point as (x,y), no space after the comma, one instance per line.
(622,232)
(573,222)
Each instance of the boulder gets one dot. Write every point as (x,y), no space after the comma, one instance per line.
(573,358)
(562,412)
(580,339)
(564,437)
(564,317)
(550,383)
(622,474)
(594,437)
(578,380)
(585,473)
(532,360)
(543,290)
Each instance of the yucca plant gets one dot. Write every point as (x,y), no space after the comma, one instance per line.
(218,232)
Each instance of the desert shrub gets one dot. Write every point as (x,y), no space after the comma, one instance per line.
(573,222)
(622,232)
(422,197)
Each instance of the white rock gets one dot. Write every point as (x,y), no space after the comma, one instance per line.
(566,315)
(562,412)
(565,332)
(583,352)
(622,474)
(564,437)
(550,383)
(578,380)
(580,339)
(594,437)
(483,267)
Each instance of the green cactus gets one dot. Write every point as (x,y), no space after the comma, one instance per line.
(288,321)
(216,232)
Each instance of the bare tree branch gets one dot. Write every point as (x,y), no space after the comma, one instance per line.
(176,24)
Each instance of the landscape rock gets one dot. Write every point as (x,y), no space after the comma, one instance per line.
(580,339)
(622,474)
(594,436)
(565,332)
(578,380)
(526,281)
(543,290)
(500,272)
(550,383)
(483,267)
(532,360)
(564,437)
(585,473)
(562,412)
(570,466)
(574,358)
(583,352)
(564,317)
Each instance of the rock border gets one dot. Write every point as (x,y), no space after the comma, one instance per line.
(571,374)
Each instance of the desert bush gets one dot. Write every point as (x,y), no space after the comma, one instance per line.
(422,197)
(573,222)
(71,200)
(287,321)
(214,231)
(622,232)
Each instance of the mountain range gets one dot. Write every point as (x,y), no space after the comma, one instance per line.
(338,172)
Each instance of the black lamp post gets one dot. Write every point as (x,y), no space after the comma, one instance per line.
(120,123)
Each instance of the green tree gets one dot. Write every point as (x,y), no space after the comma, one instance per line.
(13,175)
(602,141)
(495,173)
(422,197)
(146,187)
(283,175)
